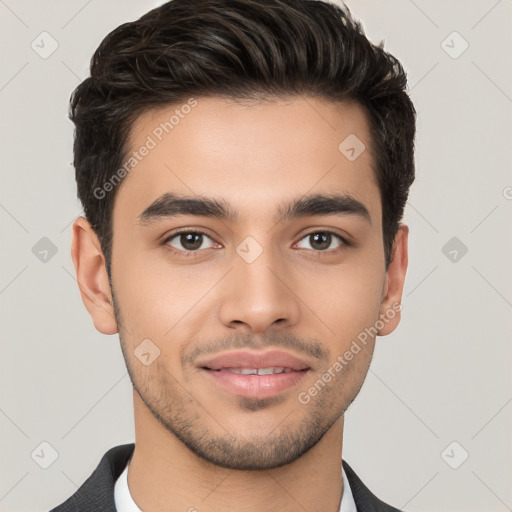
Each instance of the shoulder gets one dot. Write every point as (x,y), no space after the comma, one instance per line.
(97,492)
(364,499)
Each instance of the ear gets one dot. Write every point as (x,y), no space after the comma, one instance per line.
(92,276)
(394,283)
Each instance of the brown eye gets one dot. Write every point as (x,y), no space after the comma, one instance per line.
(189,241)
(322,241)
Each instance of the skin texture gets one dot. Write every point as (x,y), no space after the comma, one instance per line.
(197,444)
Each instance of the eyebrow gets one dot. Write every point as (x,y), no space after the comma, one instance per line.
(171,204)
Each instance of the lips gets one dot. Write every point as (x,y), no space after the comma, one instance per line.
(255,375)
(245,359)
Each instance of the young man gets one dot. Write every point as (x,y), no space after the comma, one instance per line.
(243,167)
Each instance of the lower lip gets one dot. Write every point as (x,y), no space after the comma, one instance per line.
(255,386)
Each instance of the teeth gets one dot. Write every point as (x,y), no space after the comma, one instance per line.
(270,371)
(259,371)
(248,371)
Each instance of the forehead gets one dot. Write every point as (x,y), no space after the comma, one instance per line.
(250,155)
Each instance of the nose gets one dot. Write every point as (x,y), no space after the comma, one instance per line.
(259,295)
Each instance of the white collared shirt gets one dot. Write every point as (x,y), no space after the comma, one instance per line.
(124,501)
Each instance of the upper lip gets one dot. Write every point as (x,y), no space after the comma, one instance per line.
(247,359)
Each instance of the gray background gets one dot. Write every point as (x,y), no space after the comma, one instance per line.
(439,387)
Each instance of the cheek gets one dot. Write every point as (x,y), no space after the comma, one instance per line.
(346,298)
(158,300)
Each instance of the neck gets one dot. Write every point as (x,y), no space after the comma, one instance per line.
(165,475)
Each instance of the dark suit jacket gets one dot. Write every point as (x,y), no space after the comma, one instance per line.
(97,492)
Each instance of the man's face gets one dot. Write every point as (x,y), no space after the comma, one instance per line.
(256,283)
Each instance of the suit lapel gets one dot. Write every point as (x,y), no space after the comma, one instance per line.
(364,499)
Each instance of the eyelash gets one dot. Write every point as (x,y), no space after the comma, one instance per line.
(187,254)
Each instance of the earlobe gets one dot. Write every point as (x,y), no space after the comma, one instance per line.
(394,283)
(92,277)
